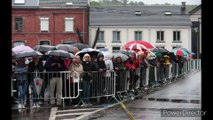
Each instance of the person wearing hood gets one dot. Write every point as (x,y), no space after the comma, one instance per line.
(121,74)
(101,89)
(101,63)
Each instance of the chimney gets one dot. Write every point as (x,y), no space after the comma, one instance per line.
(183,8)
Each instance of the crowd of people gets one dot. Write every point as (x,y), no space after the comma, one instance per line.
(22,67)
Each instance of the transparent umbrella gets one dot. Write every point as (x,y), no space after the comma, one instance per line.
(60,53)
(28,54)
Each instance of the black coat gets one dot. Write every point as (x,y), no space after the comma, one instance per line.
(88,67)
(48,66)
(32,68)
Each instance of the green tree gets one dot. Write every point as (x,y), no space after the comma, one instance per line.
(140,3)
(94,4)
(125,2)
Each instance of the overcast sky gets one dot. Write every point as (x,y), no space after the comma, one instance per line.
(191,2)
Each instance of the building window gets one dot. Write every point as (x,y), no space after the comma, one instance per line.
(160,47)
(68,42)
(19,24)
(99,47)
(19,2)
(160,35)
(114,49)
(44,24)
(101,36)
(176,35)
(176,47)
(116,36)
(18,42)
(138,35)
(68,24)
(44,42)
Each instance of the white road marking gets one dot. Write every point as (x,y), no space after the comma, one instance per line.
(53,113)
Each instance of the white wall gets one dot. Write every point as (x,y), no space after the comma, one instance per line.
(148,34)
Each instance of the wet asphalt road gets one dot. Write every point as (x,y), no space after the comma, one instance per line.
(184,93)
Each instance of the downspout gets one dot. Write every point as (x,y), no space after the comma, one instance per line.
(83,26)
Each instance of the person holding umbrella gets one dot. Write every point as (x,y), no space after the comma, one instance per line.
(55,64)
(22,82)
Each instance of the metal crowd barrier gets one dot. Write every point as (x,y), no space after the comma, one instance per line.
(100,84)
(88,85)
(121,81)
(195,64)
(43,85)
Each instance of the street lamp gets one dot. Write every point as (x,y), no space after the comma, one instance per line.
(197,37)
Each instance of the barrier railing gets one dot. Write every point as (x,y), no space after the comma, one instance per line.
(43,84)
(88,85)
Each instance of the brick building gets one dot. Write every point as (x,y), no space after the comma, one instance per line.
(49,21)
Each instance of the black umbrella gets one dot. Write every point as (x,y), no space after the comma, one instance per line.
(60,53)
(44,48)
(128,53)
(159,50)
(65,47)
(172,56)
(90,51)
(28,54)
(80,46)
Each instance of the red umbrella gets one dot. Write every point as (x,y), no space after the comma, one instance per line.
(138,45)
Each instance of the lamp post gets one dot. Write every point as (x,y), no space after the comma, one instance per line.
(197,39)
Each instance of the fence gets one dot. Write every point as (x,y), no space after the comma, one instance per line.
(88,85)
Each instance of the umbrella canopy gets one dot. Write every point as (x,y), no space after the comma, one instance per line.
(44,48)
(158,55)
(65,47)
(90,51)
(151,55)
(60,53)
(189,52)
(28,54)
(121,55)
(21,48)
(80,46)
(128,53)
(38,82)
(137,45)
(159,50)
(107,55)
(180,52)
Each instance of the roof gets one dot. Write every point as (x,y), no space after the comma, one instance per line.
(26,3)
(50,3)
(125,16)
(62,3)
(195,9)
